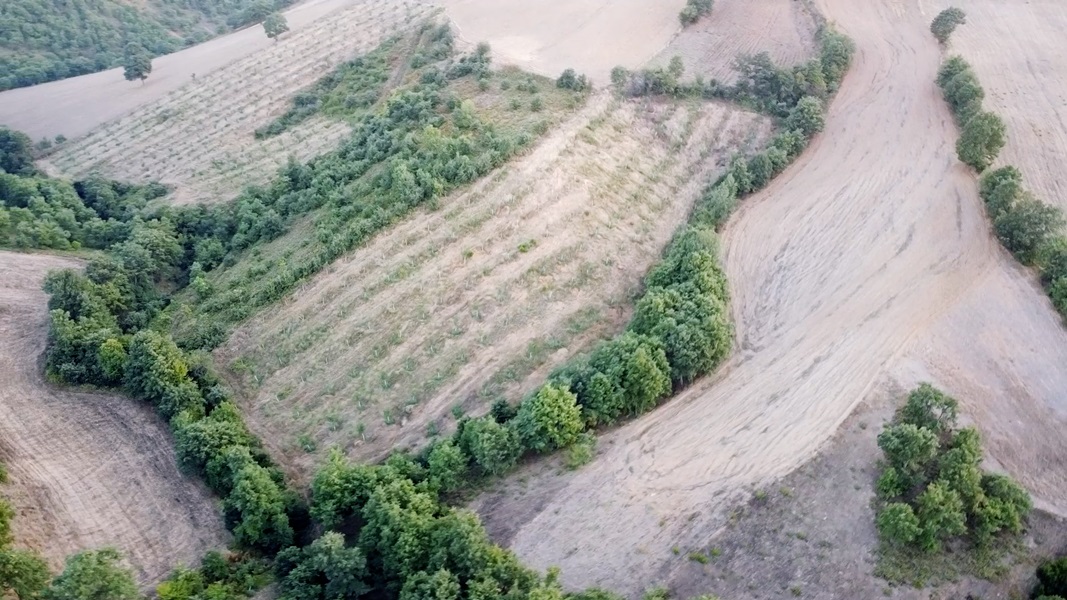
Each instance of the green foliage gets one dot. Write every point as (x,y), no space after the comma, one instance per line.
(964,94)
(22,573)
(275,25)
(694,9)
(910,450)
(1000,188)
(898,524)
(1027,226)
(946,22)
(136,62)
(493,447)
(806,117)
(45,40)
(340,490)
(93,575)
(550,419)
(1052,578)
(928,407)
(6,514)
(981,140)
(447,466)
(324,570)
(941,515)
(16,152)
(569,80)
(258,507)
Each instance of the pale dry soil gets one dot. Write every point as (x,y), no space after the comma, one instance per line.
(548,36)
(199,139)
(481,297)
(88,470)
(1017,48)
(74,107)
(784,29)
(869,257)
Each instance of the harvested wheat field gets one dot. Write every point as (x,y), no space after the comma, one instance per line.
(74,107)
(784,29)
(199,139)
(480,298)
(1016,49)
(548,36)
(869,257)
(88,470)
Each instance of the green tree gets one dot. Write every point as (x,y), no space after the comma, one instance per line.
(949,69)
(22,573)
(941,515)
(1003,506)
(930,408)
(136,62)
(398,519)
(448,466)
(1027,227)
(340,490)
(495,448)
(275,25)
(258,508)
(1052,259)
(442,585)
(964,95)
(93,575)
(16,152)
(1052,578)
(910,450)
(807,116)
(898,524)
(550,419)
(692,325)
(981,140)
(1000,188)
(324,570)
(946,22)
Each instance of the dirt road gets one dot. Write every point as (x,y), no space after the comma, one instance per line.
(73,107)
(869,256)
(88,470)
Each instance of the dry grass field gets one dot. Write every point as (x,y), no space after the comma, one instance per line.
(785,29)
(1017,49)
(88,470)
(199,138)
(869,257)
(480,298)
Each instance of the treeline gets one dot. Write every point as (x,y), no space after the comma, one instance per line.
(45,40)
(932,489)
(1031,230)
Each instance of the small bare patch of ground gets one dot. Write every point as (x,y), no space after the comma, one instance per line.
(1017,49)
(482,297)
(785,29)
(548,36)
(88,469)
(200,139)
(811,534)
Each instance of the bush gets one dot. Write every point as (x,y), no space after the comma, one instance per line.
(92,575)
(1027,226)
(946,22)
(550,419)
(694,9)
(806,117)
(981,140)
(324,570)
(495,448)
(898,524)
(999,189)
(1052,578)
(569,80)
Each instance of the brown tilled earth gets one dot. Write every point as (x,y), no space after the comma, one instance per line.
(1017,49)
(483,296)
(869,258)
(199,139)
(88,470)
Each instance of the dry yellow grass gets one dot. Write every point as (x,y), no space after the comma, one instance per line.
(480,298)
(199,138)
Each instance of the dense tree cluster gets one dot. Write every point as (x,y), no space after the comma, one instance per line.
(932,488)
(946,22)
(694,9)
(1031,230)
(45,40)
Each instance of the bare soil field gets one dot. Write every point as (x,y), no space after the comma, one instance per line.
(88,470)
(1017,49)
(199,138)
(785,29)
(870,256)
(75,106)
(548,36)
(480,298)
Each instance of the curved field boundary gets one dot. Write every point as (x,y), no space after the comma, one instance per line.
(88,470)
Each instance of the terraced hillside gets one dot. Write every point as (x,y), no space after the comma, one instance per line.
(480,298)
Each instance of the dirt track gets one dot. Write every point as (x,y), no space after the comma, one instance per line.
(76,106)
(870,257)
(88,470)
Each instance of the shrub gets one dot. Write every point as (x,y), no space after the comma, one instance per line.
(928,407)
(964,95)
(550,419)
(981,140)
(1052,578)
(1052,259)
(693,10)
(495,448)
(999,189)
(807,117)
(93,574)
(946,22)
(324,570)
(447,465)
(1027,226)
(898,524)
(569,80)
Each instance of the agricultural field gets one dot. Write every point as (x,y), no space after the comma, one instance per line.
(481,297)
(88,469)
(1016,49)
(837,280)
(199,138)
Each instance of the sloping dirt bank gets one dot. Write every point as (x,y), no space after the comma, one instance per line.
(88,470)
(870,255)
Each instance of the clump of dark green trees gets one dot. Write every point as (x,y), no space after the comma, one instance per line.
(694,9)
(946,22)
(932,490)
